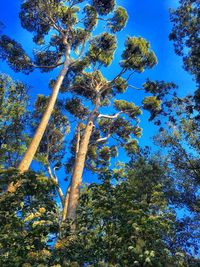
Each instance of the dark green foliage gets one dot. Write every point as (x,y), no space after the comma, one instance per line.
(137,55)
(158,88)
(13,121)
(29,220)
(120,85)
(181,141)
(104,6)
(102,49)
(91,17)
(76,108)
(13,53)
(46,58)
(185,34)
(119,20)
(118,224)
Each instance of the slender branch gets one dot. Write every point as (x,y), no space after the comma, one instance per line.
(134,87)
(48,67)
(55,179)
(99,18)
(103,139)
(110,116)
(130,75)
(82,50)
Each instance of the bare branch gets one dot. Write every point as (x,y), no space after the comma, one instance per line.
(110,116)
(103,139)
(134,87)
(48,67)
(55,179)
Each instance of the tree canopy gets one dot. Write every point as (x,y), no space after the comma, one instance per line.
(140,211)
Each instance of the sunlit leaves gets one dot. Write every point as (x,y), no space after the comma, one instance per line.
(151,103)
(102,48)
(137,55)
(118,22)
(120,85)
(128,108)
(90,17)
(27,218)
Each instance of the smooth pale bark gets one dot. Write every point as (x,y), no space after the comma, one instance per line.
(66,202)
(59,190)
(71,204)
(31,151)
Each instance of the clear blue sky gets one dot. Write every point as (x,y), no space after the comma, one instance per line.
(148,19)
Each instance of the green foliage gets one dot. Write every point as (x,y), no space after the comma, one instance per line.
(151,103)
(158,88)
(185,34)
(124,220)
(46,58)
(91,17)
(102,49)
(137,55)
(13,52)
(104,6)
(29,220)
(118,224)
(13,120)
(75,107)
(118,22)
(120,85)
(131,147)
(128,107)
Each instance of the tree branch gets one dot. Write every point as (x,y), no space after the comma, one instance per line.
(55,179)
(48,67)
(103,139)
(134,87)
(110,116)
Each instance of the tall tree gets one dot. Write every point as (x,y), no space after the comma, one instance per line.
(185,34)
(82,78)
(40,17)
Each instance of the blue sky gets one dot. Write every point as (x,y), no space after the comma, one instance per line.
(148,19)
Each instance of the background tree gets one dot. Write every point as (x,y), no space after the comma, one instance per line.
(181,142)
(185,34)
(53,147)
(29,220)
(126,220)
(13,121)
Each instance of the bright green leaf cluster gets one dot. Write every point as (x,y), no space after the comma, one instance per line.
(137,55)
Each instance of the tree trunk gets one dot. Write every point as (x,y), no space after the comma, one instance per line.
(71,204)
(77,173)
(30,153)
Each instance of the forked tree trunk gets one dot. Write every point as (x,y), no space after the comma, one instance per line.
(71,201)
(30,153)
